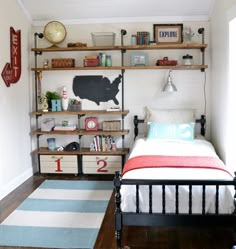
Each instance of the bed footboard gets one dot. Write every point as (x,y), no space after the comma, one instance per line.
(176,218)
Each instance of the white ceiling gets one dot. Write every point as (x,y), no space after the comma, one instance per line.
(88,11)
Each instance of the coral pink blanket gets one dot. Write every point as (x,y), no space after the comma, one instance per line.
(206,162)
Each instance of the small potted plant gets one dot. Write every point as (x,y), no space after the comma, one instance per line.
(52,96)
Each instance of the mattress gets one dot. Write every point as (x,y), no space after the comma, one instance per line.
(198,148)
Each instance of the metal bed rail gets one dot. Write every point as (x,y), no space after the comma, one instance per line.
(176,218)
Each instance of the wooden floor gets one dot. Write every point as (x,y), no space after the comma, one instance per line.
(133,237)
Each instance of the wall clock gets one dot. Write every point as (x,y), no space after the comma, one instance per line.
(55,32)
(91,124)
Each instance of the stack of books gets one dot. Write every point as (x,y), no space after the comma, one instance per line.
(91,61)
(104,143)
(143,38)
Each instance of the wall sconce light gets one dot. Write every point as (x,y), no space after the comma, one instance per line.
(169,86)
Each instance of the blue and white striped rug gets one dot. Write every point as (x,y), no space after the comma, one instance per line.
(58,214)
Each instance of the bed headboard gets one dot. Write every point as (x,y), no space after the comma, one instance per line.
(137,121)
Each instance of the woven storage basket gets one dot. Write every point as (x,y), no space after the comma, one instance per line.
(61,63)
(111,125)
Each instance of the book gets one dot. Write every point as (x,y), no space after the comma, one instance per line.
(91,57)
(64,128)
(112,109)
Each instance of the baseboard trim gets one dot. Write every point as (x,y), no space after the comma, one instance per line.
(16,182)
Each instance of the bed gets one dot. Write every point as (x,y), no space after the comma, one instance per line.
(173,177)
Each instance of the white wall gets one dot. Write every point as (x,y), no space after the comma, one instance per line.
(219,68)
(142,87)
(15,141)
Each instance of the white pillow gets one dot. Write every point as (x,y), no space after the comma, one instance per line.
(171,116)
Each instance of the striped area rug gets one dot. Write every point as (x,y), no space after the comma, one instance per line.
(58,214)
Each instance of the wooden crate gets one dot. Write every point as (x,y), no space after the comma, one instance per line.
(59,164)
(101,164)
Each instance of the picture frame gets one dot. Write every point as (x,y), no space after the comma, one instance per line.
(168,33)
(139,59)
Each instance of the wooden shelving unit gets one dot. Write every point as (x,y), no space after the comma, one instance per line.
(87,152)
(180,46)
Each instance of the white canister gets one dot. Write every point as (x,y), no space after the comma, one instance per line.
(188,60)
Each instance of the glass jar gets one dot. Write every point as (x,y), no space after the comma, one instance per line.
(108,61)
(133,39)
(188,59)
(51,143)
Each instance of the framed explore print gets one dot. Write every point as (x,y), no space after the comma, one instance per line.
(168,33)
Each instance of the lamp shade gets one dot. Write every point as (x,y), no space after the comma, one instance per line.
(169,86)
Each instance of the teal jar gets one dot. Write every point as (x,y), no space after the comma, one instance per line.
(108,61)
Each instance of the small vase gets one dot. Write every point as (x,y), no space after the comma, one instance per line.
(64,101)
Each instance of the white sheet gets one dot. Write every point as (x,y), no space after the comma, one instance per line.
(198,147)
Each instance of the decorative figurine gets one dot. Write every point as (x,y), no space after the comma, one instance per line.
(188,34)
(46,63)
(65,101)
(44,103)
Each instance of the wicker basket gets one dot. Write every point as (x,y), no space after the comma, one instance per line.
(63,63)
(111,125)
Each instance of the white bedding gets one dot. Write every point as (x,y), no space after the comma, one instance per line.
(198,147)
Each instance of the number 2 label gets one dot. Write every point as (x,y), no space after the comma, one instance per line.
(102,162)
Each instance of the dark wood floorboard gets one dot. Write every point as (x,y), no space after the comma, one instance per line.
(133,237)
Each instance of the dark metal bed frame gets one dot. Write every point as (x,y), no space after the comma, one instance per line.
(171,219)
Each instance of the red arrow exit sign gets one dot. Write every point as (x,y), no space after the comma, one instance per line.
(12,71)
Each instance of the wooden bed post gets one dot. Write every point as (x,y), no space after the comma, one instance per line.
(118,216)
(202,121)
(235,193)
(234,231)
(136,122)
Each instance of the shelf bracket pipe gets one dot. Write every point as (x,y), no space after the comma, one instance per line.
(123,32)
(201,31)
(36,53)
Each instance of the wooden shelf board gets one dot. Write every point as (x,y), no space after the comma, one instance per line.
(86,151)
(39,132)
(77,68)
(128,47)
(82,151)
(82,132)
(178,67)
(166,46)
(82,112)
(71,49)
(103,133)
